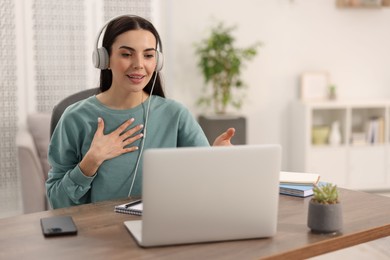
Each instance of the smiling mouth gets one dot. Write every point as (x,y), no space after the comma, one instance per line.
(135,76)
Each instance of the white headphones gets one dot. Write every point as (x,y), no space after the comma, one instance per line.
(100,57)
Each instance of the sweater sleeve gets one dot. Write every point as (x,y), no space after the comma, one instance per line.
(190,132)
(66,184)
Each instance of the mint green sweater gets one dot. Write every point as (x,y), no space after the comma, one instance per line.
(169,125)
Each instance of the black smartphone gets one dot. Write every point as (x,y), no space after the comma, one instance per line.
(58,225)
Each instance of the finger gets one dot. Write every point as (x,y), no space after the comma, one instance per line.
(132,139)
(230,133)
(224,138)
(130,149)
(132,131)
(123,126)
(100,127)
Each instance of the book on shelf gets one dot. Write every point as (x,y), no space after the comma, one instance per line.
(133,208)
(298,178)
(375,130)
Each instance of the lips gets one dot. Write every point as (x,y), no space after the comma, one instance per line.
(136,78)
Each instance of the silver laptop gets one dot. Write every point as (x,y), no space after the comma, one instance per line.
(206,194)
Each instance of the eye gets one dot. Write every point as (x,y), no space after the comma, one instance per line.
(125,54)
(149,55)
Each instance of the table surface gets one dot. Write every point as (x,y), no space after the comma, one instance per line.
(102,234)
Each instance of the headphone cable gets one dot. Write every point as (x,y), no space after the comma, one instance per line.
(144,137)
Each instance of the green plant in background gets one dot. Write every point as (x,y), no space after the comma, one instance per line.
(221,63)
(326,194)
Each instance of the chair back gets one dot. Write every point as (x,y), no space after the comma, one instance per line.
(59,109)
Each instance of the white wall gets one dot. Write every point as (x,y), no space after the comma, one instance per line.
(297,35)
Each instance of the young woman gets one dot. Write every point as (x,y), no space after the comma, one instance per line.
(95,151)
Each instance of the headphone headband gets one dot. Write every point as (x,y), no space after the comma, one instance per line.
(100,57)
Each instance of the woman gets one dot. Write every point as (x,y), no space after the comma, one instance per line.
(96,148)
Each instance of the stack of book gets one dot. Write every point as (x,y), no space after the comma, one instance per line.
(298,184)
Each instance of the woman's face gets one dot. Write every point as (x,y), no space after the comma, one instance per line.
(133,60)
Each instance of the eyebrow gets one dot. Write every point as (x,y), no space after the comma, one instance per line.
(132,49)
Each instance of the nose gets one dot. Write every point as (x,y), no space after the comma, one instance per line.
(138,61)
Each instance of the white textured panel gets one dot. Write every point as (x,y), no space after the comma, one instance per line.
(134,7)
(59,50)
(9,184)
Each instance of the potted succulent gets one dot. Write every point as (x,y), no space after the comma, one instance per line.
(325,212)
(221,64)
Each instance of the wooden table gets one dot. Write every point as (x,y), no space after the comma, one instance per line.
(102,234)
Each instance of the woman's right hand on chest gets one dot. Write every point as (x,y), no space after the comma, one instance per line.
(105,147)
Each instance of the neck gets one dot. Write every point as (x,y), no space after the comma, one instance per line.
(121,101)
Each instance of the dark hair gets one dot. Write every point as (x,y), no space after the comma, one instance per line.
(118,26)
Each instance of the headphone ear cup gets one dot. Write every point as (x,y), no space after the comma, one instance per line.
(100,58)
(160,61)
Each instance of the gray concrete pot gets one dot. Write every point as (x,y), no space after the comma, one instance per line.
(325,218)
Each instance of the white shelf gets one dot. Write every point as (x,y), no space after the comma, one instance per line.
(363,166)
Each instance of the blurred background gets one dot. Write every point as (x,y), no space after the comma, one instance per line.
(46,49)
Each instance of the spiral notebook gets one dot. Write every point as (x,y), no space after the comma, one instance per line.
(133,208)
